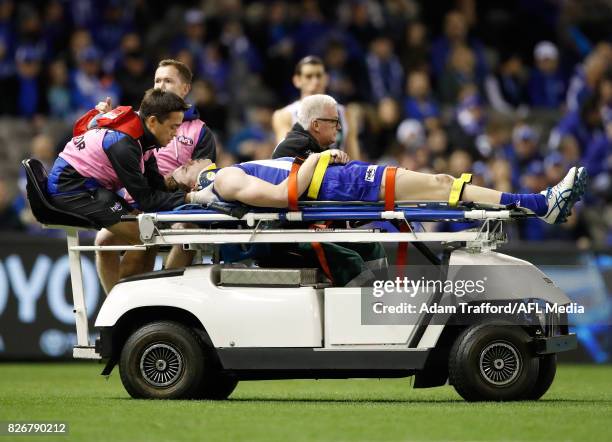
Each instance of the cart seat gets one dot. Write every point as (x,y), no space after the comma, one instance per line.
(42,207)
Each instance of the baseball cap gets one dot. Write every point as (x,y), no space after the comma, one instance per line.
(545,49)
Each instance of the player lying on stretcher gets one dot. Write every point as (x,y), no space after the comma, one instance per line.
(270,183)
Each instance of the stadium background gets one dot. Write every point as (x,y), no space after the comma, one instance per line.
(514,91)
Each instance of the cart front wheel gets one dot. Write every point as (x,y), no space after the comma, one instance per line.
(493,362)
(162,360)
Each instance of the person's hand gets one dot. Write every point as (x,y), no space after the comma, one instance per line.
(338,156)
(104,106)
(202,197)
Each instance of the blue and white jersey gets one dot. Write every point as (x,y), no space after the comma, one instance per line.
(273,171)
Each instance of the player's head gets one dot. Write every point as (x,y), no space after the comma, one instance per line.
(318,114)
(173,76)
(310,76)
(162,112)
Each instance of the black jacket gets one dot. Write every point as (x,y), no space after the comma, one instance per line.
(124,154)
(297,143)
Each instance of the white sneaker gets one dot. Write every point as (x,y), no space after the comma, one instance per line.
(562,197)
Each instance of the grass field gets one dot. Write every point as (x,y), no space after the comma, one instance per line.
(578,407)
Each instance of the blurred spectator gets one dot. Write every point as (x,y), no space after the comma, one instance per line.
(345,76)
(114,23)
(360,25)
(587,75)
(414,50)
(30,84)
(130,43)
(456,34)
(89,86)
(460,71)
(380,129)
(384,70)
(213,113)
(9,215)
(79,41)
(255,141)
(546,82)
(418,103)
(581,124)
(133,79)
(56,28)
(525,155)
(215,68)
(507,87)
(193,36)
(411,135)
(58,93)
(469,122)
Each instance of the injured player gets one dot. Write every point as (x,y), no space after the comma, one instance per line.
(326,177)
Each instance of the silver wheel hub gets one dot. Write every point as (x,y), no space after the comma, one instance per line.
(161,365)
(500,363)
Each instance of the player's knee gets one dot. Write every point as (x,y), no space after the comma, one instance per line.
(105,238)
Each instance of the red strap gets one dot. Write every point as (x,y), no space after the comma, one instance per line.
(292,193)
(390,188)
(402,250)
(318,248)
(402,247)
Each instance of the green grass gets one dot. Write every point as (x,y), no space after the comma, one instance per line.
(577,407)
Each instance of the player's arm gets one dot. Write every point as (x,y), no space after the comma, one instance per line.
(233,184)
(124,156)
(281,124)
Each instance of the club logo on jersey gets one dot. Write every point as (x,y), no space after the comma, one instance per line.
(117,207)
(371,173)
(184,140)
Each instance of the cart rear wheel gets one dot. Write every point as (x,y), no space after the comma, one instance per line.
(546,375)
(492,362)
(162,360)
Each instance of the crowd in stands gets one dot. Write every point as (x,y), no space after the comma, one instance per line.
(514,91)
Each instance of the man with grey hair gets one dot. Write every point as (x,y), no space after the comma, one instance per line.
(316,129)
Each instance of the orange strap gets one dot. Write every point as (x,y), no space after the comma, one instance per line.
(390,188)
(402,247)
(318,248)
(292,193)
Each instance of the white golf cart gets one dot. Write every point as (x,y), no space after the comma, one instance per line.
(197,331)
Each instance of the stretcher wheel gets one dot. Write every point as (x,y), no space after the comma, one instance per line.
(546,375)
(162,360)
(492,362)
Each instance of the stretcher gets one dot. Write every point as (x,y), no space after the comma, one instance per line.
(221,223)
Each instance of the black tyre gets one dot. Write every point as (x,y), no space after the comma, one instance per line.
(546,375)
(492,362)
(162,360)
(217,386)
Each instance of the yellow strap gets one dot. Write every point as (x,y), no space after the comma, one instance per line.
(317,176)
(211,166)
(457,188)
